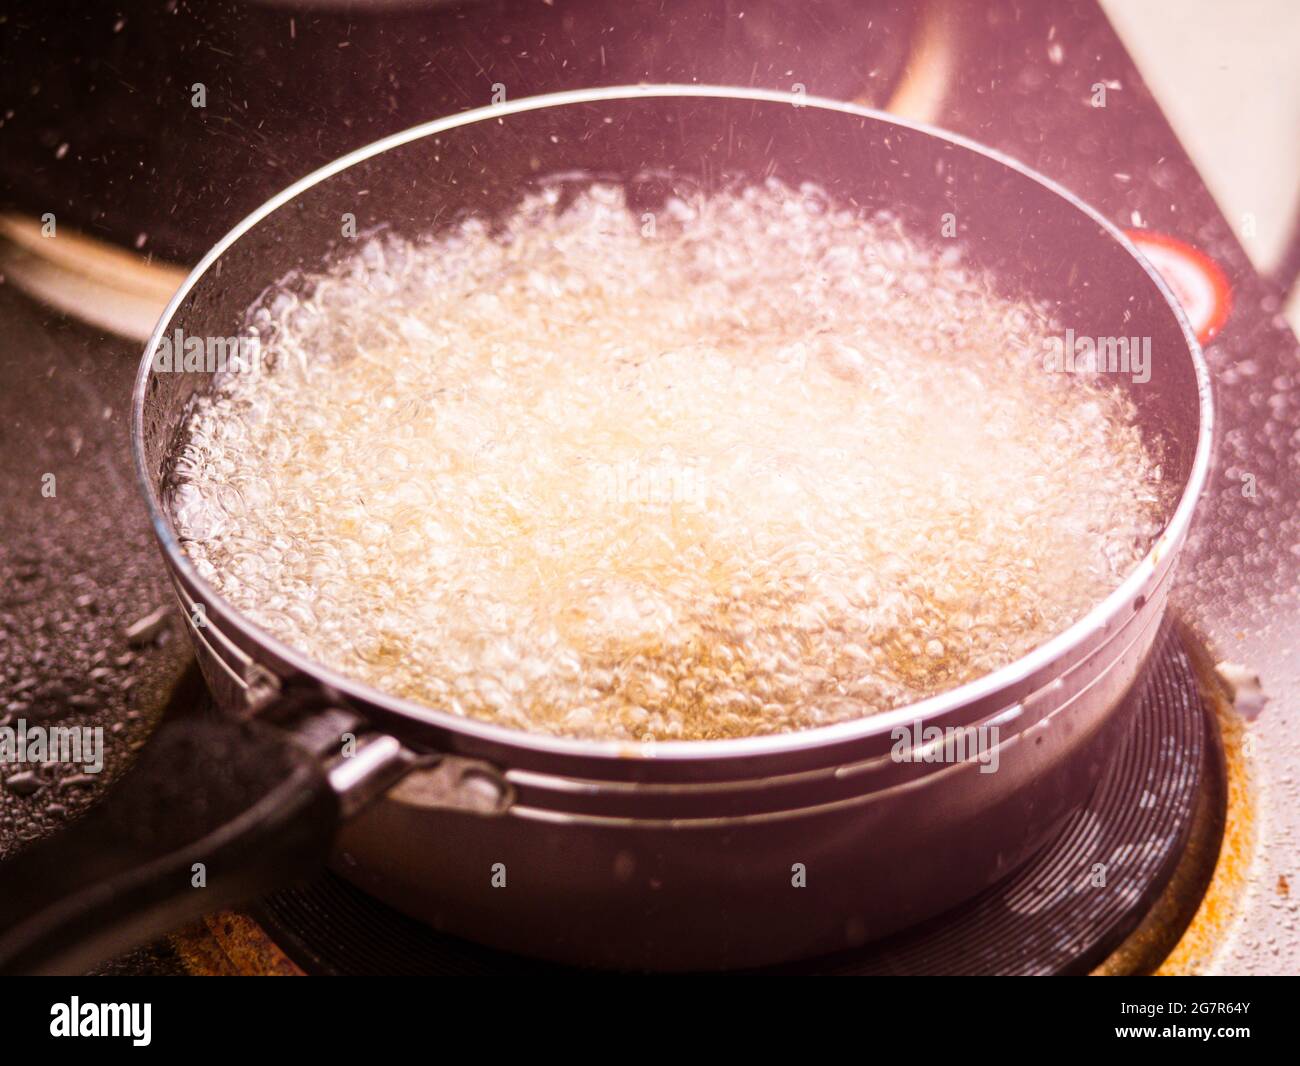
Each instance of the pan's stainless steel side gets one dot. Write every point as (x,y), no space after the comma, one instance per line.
(718,853)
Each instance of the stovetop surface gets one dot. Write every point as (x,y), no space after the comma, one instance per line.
(78,568)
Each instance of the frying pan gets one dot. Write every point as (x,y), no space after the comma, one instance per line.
(669,856)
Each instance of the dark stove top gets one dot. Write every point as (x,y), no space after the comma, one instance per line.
(99,129)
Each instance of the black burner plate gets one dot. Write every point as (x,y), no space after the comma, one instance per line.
(1051,917)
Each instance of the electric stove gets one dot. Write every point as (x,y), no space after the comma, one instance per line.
(1197,821)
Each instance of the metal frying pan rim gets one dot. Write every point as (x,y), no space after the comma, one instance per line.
(1144,576)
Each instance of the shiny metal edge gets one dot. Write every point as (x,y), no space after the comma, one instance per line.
(1147,572)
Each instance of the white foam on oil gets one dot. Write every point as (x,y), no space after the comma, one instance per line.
(765,466)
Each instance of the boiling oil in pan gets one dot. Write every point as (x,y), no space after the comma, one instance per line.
(755,464)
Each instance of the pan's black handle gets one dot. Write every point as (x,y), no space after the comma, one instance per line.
(215,812)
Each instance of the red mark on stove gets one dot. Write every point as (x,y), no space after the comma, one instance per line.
(1197,281)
